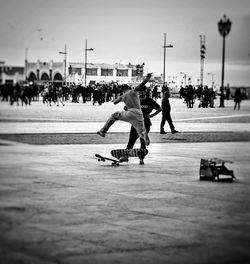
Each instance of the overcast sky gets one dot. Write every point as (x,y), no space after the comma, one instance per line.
(130,31)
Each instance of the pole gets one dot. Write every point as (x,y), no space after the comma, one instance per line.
(65,63)
(202,46)
(164,60)
(222,75)
(65,58)
(26,63)
(85,64)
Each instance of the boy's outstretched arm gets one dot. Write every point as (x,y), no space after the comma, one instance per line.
(118,100)
(137,88)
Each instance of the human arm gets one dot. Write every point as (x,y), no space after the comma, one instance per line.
(118,100)
(138,88)
(155,113)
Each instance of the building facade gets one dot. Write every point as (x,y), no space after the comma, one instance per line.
(40,72)
(10,74)
(102,72)
(78,73)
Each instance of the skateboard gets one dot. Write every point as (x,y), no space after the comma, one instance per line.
(115,162)
(125,153)
(215,170)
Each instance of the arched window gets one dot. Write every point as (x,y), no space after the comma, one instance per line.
(58,77)
(45,77)
(32,77)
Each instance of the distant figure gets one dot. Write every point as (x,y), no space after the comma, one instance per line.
(237,98)
(59,94)
(228,93)
(166,108)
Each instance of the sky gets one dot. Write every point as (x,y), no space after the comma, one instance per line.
(130,31)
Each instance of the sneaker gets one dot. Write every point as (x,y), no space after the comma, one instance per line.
(123,159)
(175,131)
(100,133)
(163,132)
(146,138)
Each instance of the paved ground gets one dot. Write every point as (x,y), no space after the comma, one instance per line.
(60,205)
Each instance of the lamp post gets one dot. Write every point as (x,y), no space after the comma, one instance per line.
(212,78)
(185,77)
(86,51)
(164,62)
(224,27)
(26,64)
(65,58)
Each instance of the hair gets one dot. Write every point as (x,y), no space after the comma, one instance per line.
(143,88)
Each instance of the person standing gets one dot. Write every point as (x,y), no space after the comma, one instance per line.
(166,109)
(237,98)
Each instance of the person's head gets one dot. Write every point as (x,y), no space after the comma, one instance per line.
(126,88)
(166,94)
(143,92)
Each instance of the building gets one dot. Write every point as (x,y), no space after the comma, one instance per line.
(40,72)
(10,74)
(95,72)
(102,72)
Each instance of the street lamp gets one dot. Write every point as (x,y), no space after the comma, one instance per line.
(86,51)
(165,46)
(185,77)
(212,78)
(65,54)
(224,27)
(26,64)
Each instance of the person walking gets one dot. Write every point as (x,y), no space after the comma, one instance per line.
(59,95)
(132,114)
(166,116)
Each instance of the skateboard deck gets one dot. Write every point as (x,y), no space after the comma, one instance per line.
(125,153)
(101,158)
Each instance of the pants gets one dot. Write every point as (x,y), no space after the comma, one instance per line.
(133,116)
(133,136)
(167,117)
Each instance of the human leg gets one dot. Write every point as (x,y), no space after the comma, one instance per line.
(163,120)
(119,115)
(137,122)
(171,125)
(133,136)
(143,145)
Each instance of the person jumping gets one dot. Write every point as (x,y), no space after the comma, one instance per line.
(132,114)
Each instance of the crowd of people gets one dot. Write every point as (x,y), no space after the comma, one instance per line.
(56,93)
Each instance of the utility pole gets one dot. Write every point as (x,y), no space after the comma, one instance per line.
(164,59)
(202,57)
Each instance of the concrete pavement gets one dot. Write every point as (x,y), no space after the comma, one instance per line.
(119,126)
(60,205)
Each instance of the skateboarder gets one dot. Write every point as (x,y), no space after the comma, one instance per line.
(147,106)
(132,114)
